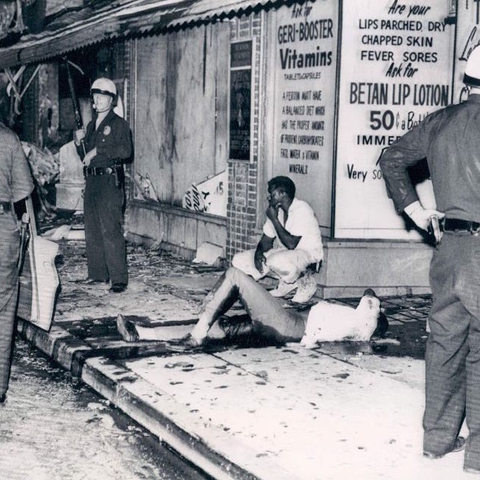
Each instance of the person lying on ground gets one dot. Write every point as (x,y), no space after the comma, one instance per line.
(268,319)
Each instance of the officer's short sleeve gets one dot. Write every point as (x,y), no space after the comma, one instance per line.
(22,183)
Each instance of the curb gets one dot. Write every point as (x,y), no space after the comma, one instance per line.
(131,394)
(112,380)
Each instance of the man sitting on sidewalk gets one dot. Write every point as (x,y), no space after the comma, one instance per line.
(268,319)
(294,226)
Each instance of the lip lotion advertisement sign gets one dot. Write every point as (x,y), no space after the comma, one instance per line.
(396,68)
(467,38)
(306,52)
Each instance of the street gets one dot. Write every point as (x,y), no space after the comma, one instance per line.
(53,427)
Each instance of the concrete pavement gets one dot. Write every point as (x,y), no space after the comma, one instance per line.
(337,412)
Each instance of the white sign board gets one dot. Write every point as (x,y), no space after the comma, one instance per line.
(396,67)
(306,53)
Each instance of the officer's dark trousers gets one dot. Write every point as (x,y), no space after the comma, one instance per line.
(9,251)
(453,347)
(106,255)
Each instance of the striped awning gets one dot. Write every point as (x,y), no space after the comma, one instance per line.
(194,11)
(136,17)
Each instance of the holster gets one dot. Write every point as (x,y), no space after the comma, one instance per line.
(119,176)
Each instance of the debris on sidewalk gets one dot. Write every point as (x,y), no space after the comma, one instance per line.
(295,402)
(144,187)
(45,169)
(208,196)
(67,232)
(57,233)
(209,258)
(208,253)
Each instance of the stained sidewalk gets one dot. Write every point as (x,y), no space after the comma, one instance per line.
(337,412)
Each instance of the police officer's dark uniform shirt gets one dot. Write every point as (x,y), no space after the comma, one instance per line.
(450,140)
(104,198)
(112,139)
(15,184)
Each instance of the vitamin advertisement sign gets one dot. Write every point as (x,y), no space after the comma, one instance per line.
(306,52)
(396,68)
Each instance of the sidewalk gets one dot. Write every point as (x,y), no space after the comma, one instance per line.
(337,412)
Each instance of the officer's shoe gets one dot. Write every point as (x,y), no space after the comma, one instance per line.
(118,288)
(473,470)
(458,445)
(3,399)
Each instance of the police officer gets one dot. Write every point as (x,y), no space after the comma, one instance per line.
(108,145)
(450,140)
(15,184)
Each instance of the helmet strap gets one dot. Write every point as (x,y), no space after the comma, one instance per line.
(104,110)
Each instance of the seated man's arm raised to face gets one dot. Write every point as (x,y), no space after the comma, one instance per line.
(264,245)
(290,241)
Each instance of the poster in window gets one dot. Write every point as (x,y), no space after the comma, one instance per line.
(240,106)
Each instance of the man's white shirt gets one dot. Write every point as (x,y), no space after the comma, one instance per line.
(301,222)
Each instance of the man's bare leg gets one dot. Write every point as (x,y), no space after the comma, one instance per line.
(269,318)
(134,333)
(267,315)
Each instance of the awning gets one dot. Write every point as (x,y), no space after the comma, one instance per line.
(136,17)
(195,11)
(69,32)
(209,10)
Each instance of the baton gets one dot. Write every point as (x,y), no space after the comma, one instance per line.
(24,237)
(76,106)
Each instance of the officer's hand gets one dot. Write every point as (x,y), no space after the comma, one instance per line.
(422,216)
(79,136)
(89,156)
(259,260)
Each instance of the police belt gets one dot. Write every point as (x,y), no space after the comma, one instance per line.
(461,226)
(5,207)
(94,171)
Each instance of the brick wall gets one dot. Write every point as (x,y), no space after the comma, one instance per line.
(122,67)
(243,175)
(129,107)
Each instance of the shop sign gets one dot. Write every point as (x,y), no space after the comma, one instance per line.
(396,68)
(306,53)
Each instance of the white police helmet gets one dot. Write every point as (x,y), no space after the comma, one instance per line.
(104,86)
(472,70)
